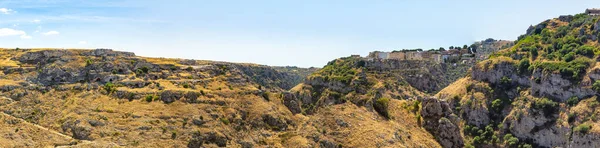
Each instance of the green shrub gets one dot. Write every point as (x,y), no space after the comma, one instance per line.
(523,66)
(88,62)
(525,146)
(505,81)
(173,135)
(225,121)
(186,85)
(510,140)
(110,88)
(546,105)
(477,140)
(596,86)
(381,106)
(571,117)
(534,53)
(497,105)
(583,128)
(145,69)
(569,57)
(573,70)
(149,98)
(573,101)
(587,51)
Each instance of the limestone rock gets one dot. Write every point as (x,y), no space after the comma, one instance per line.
(435,115)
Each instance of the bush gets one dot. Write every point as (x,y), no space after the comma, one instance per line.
(583,128)
(534,53)
(145,69)
(110,88)
(381,106)
(505,81)
(523,66)
(586,50)
(571,117)
(225,121)
(149,98)
(497,105)
(510,140)
(546,105)
(526,146)
(569,57)
(596,86)
(88,62)
(573,70)
(573,101)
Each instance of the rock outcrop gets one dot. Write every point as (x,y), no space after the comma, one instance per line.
(437,119)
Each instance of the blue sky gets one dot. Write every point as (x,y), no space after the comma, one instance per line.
(279,33)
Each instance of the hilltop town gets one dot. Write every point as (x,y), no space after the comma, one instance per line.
(465,55)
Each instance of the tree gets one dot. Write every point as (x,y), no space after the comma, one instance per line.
(451,47)
(534,53)
(465,46)
(442,49)
(473,48)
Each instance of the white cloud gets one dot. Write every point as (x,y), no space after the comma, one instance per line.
(6,11)
(36,21)
(51,33)
(12,32)
(82,42)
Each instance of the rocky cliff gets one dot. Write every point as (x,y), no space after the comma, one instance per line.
(106,98)
(541,92)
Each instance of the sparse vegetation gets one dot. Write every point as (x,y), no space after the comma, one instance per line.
(583,128)
(546,105)
(573,101)
(88,62)
(381,106)
(109,88)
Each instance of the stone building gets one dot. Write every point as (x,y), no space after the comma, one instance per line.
(397,55)
(413,56)
(436,57)
(593,11)
(378,55)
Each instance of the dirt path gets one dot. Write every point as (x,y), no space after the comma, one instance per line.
(79,143)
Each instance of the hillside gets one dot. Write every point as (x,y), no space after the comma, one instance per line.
(541,92)
(108,98)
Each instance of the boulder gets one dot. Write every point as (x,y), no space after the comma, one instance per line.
(435,115)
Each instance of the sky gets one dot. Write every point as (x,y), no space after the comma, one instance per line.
(306,33)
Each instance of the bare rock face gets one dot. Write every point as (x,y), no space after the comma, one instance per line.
(544,131)
(554,86)
(79,130)
(291,102)
(585,140)
(544,85)
(424,75)
(435,115)
(497,72)
(566,18)
(276,123)
(107,52)
(476,114)
(213,137)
